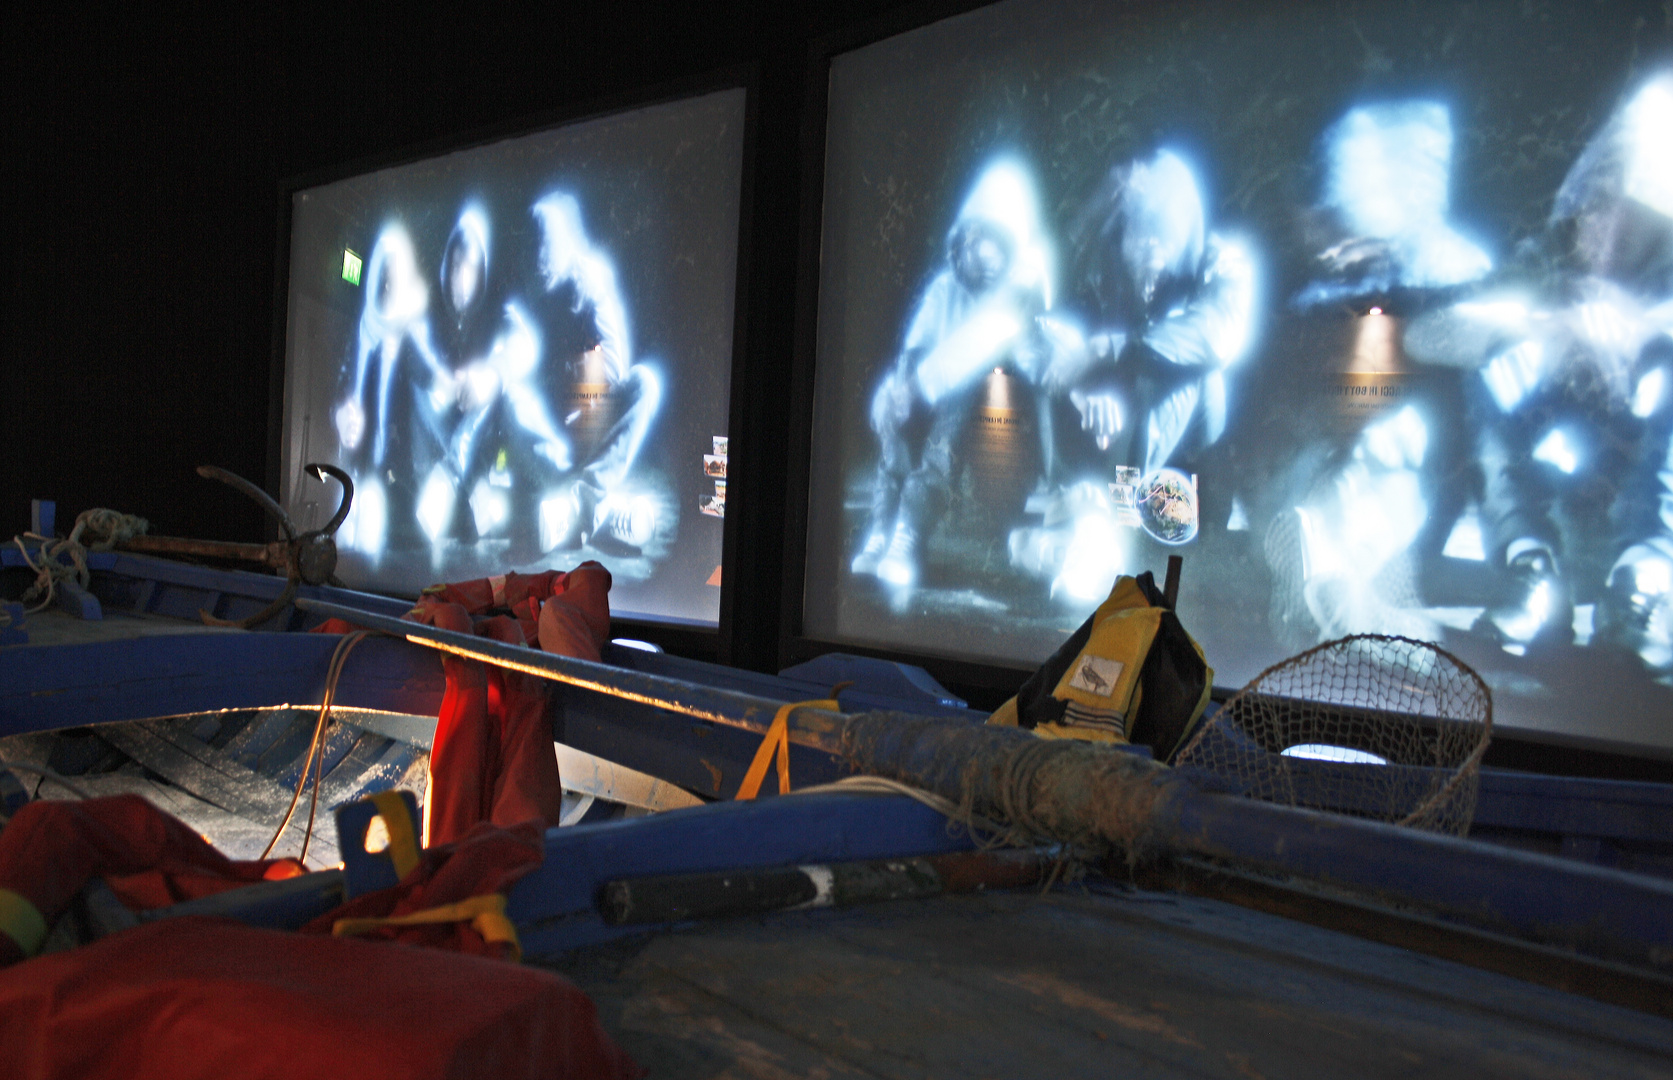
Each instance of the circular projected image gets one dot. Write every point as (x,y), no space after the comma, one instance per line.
(1168,506)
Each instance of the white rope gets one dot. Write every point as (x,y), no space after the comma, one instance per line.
(880,785)
(103,528)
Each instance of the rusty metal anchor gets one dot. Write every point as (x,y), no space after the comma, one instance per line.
(309,558)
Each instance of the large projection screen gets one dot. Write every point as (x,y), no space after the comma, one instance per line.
(1363,308)
(521,353)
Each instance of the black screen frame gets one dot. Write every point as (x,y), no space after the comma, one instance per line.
(983,685)
(699,642)
(986,685)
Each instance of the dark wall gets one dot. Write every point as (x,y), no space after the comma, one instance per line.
(142,163)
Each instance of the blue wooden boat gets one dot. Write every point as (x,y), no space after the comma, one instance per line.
(1263,940)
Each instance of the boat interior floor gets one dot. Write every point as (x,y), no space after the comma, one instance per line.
(1093,980)
(230,775)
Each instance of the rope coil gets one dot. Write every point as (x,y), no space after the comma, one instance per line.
(103,530)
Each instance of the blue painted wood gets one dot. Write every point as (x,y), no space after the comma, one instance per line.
(138,678)
(11,556)
(709,759)
(810,727)
(553,906)
(367,871)
(14,627)
(1612,914)
(43,517)
(784,688)
(376,763)
(870,674)
(1603,912)
(1621,809)
(259,735)
(278,905)
(284,760)
(71,597)
(1547,804)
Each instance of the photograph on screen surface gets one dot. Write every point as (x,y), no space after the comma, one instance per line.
(520,353)
(1356,306)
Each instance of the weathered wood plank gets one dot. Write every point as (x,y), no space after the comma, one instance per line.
(1074,985)
(254,796)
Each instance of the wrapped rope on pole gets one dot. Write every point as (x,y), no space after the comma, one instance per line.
(1088,796)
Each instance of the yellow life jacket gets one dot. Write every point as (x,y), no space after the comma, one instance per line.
(1129,674)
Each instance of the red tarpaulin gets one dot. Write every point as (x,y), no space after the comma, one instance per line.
(209,997)
(180,999)
(51,849)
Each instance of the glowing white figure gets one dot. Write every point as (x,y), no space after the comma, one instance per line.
(973,315)
(506,374)
(1388,173)
(978,313)
(1558,450)
(1598,351)
(597,503)
(567,256)
(1363,519)
(464,268)
(1174,298)
(395,316)
(1081,548)
(1175,309)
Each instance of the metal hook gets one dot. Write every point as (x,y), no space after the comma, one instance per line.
(262,498)
(320,471)
(310,558)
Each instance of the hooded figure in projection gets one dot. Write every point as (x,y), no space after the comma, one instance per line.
(1345,553)
(499,434)
(518,470)
(612,401)
(979,313)
(1573,408)
(1172,308)
(383,438)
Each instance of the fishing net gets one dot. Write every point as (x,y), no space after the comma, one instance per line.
(1381,727)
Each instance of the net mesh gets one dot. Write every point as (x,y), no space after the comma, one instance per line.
(1383,727)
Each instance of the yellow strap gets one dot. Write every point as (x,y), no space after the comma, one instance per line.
(403,844)
(486,915)
(1006,714)
(778,739)
(21,921)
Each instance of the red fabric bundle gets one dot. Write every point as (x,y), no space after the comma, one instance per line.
(196,997)
(51,849)
(492,758)
(213,998)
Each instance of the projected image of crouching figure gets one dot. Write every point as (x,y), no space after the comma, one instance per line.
(1348,547)
(501,438)
(1170,306)
(612,401)
(1382,226)
(381,439)
(1573,400)
(1345,554)
(1616,208)
(978,314)
(1568,377)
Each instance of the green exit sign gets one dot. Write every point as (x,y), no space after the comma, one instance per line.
(351,267)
